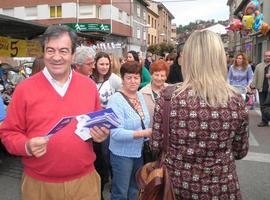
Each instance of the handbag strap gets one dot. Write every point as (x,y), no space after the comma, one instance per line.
(142,123)
(166,117)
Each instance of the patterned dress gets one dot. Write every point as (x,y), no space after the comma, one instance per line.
(203,144)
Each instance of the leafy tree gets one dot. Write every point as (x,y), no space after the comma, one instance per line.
(161,49)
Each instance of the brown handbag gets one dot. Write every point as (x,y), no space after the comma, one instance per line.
(153,178)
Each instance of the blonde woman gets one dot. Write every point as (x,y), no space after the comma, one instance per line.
(208,124)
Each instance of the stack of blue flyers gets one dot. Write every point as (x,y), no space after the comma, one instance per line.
(103,118)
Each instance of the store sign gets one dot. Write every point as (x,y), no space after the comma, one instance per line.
(19,48)
(88,27)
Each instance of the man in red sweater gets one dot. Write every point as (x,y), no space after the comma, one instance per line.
(60,167)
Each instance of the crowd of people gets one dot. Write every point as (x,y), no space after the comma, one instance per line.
(208,119)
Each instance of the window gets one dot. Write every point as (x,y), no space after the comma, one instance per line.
(120,15)
(55,11)
(138,33)
(8,11)
(128,19)
(138,11)
(31,11)
(148,40)
(98,11)
(144,35)
(149,19)
(152,39)
(144,15)
(152,24)
(86,10)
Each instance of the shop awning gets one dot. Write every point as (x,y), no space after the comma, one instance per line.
(19,29)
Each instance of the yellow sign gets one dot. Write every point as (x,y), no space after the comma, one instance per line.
(19,48)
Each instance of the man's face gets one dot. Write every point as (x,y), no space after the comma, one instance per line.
(58,56)
(267,57)
(87,67)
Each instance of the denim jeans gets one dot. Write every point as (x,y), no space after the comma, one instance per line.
(124,186)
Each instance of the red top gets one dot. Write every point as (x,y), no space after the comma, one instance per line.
(35,108)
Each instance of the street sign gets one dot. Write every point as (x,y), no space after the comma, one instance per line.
(90,27)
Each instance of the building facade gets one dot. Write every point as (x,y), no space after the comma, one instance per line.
(109,20)
(173,34)
(138,41)
(254,44)
(152,21)
(164,24)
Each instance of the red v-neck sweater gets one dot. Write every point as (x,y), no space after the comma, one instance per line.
(35,108)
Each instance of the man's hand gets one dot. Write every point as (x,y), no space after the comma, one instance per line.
(267,75)
(37,146)
(99,134)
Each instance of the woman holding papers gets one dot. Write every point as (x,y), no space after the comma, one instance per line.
(126,141)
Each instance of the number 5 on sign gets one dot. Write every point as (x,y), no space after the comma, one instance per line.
(19,48)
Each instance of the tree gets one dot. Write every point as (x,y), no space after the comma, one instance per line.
(161,49)
(154,49)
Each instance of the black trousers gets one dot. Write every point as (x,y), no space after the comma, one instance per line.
(263,104)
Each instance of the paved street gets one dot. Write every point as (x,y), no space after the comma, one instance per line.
(253,171)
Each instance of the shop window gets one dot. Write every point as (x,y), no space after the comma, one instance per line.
(55,11)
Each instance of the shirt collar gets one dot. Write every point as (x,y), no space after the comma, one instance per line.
(52,80)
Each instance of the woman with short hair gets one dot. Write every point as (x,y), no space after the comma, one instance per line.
(146,78)
(126,141)
(159,71)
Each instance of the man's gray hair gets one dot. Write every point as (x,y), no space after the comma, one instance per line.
(82,53)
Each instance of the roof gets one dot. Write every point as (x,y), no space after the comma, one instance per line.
(218,28)
(143,2)
(161,6)
(19,29)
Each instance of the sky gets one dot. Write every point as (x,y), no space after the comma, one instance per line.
(186,11)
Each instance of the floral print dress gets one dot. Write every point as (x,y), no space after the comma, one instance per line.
(204,142)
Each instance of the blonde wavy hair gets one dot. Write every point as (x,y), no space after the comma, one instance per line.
(204,68)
